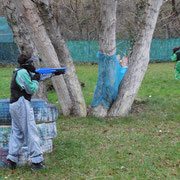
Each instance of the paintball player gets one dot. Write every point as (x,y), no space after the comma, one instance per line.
(23,85)
(176,57)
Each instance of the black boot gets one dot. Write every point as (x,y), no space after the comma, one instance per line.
(10,164)
(37,166)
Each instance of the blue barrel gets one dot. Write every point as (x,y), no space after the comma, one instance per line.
(43,112)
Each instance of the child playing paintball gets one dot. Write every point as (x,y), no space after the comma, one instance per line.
(23,85)
(176,57)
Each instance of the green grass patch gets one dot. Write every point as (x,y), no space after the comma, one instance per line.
(143,145)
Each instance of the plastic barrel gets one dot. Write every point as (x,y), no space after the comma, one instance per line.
(46,131)
(43,112)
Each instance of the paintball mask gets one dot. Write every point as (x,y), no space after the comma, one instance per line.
(26,62)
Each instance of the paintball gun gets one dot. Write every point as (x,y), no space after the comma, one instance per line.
(51,70)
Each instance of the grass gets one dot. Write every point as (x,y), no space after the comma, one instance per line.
(143,145)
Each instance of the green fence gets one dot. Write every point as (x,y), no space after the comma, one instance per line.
(85,51)
(161,49)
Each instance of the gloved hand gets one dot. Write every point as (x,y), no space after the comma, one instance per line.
(36,77)
(58,72)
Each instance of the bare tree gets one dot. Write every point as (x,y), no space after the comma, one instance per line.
(62,51)
(78,18)
(129,15)
(139,57)
(138,61)
(174,7)
(107,41)
(1,13)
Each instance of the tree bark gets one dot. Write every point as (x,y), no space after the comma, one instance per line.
(71,79)
(22,38)
(138,62)
(46,52)
(107,41)
(174,7)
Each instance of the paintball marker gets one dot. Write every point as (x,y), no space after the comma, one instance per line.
(51,70)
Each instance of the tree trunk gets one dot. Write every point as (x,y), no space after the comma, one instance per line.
(71,79)
(174,11)
(138,62)
(107,41)
(22,38)
(47,53)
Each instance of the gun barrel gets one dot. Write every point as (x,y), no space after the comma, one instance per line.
(49,70)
